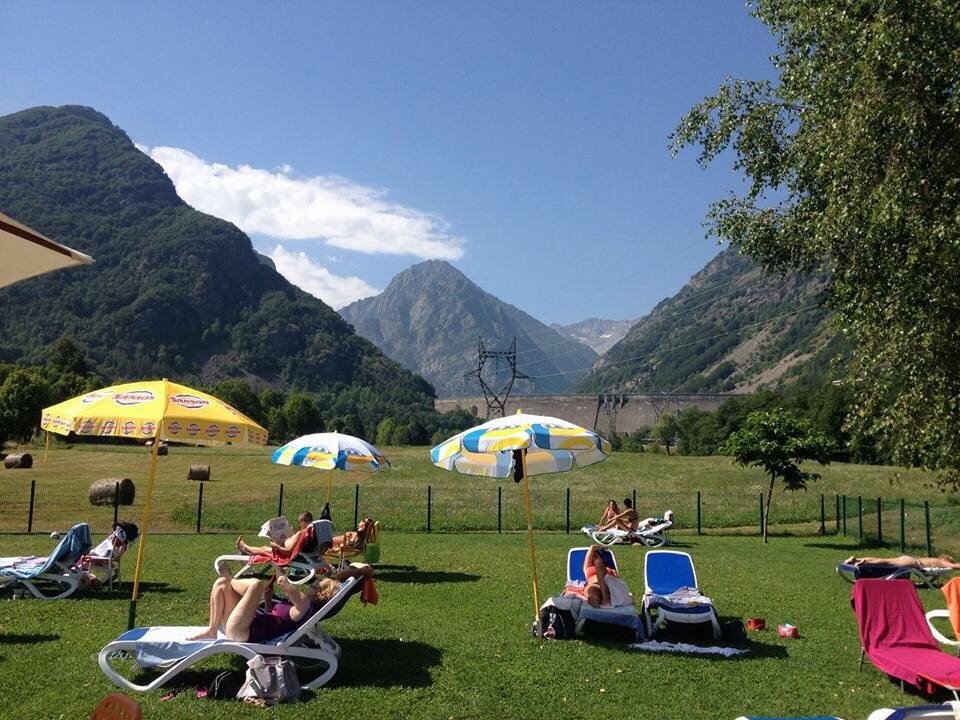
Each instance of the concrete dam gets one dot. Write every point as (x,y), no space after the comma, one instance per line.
(606,413)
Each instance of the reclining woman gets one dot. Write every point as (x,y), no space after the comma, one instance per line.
(603,587)
(234,603)
(305,519)
(908,561)
(354,539)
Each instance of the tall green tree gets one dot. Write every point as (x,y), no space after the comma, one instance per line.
(853,165)
(778,442)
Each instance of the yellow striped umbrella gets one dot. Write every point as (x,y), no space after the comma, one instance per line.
(521,445)
(158,410)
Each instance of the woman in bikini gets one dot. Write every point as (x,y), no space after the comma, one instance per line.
(610,513)
(353,539)
(595,570)
(921,563)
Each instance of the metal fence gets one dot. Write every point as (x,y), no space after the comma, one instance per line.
(27,506)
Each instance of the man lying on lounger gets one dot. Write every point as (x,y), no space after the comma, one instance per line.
(907,561)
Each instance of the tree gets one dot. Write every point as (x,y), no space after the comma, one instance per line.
(665,431)
(853,166)
(778,442)
(23,395)
(240,395)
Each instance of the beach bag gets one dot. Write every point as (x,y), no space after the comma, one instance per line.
(557,624)
(270,678)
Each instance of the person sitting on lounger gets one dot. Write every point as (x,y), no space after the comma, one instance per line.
(627,520)
(353,539)
(609,513)
(650,522)
(907,561)
(283,549)
(234,603)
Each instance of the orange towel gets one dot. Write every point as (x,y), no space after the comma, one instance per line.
(952,592)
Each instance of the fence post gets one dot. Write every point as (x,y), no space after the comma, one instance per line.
(860,519)
(568,511)
(823,515)
(200,505)
(880,520)
(838,514)
(429,507)
(761,513)
(356,504)
(499,508)
(844,503)
(280,503)
(903,528)
(33,492)
(926,522)
(116,502)
(634,498)
(698,513)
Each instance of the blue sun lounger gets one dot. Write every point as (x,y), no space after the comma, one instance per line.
(672,592)
(51,577)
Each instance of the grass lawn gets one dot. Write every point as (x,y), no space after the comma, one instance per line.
(449,638)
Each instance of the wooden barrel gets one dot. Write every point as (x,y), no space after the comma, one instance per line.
(102,491)
(18,460)
(199,472)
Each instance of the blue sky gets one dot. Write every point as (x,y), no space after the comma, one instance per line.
(524,142)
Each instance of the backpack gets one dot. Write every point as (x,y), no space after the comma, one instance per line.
(557,624)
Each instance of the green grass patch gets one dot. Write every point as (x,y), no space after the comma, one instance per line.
(450,637)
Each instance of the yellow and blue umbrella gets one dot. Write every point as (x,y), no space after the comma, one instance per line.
(332,451)
(521,445)
(157,410)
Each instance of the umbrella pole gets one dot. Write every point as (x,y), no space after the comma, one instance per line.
(132,616)
(46,447)
(533,557)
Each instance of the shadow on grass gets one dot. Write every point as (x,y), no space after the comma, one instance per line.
(844,548)
(386,663)
(412,574)
(26,638)
(160,588)
(701,635)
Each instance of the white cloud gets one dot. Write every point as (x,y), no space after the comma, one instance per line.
(325,208)
(334,290)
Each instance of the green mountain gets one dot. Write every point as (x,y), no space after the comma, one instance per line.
(431,316)
(732,327)
(173,292)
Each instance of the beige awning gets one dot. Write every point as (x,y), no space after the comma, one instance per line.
(25,253)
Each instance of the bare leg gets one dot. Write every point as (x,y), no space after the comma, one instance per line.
(602,582)
(223,598)
(237,626)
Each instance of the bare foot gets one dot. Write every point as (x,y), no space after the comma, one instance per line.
(205,635)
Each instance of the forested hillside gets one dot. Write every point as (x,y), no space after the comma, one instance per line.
(733,327)
(173,292)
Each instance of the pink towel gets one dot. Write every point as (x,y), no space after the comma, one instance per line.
(896,637)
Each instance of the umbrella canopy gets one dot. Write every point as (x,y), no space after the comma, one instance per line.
(331,451)
(143,410)
(157,409)
(552,445)
(520,446)
(26,253)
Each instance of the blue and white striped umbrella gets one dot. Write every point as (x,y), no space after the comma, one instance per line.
(332,451)
(552,445)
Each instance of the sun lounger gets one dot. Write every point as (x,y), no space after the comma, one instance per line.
(50,577)
(948,711)
(168,649)
(301,567)
(622,611)
(929,577)
(654,536)
(895,636)
(672,593)
(951,592)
